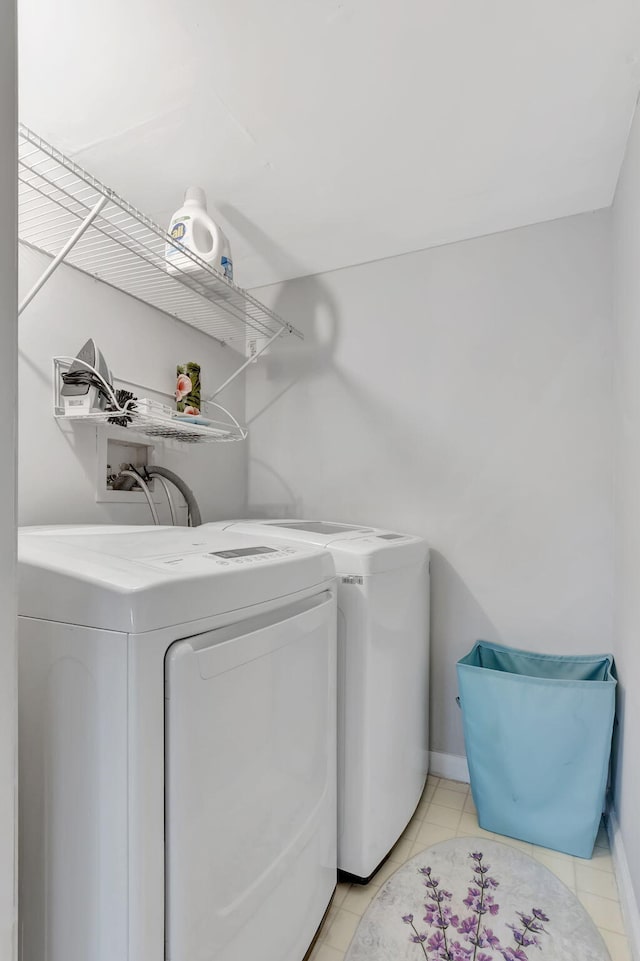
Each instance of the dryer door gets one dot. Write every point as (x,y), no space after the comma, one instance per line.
(250,786)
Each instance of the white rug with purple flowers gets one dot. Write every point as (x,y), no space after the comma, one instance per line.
(475,900)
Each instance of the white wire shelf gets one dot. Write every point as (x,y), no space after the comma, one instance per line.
(124,248)
(148,417)
(161,423)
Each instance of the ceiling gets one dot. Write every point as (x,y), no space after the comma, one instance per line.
(333,132)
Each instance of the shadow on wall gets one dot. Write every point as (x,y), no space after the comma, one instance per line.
(318,322)
(293,363)
(455,610)
(336,426)
(290,506)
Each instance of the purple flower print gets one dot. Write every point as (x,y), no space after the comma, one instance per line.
(528,921)
(431,914)
(436,941)
(531,928)
(472,897)
(458,952)
(439,914)
(540,915)
(480,903)
(513,954)
(478,942)
(491,939)
(415,937)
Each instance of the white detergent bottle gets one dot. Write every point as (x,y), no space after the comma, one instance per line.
(192,226)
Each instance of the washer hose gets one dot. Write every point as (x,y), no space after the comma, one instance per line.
(172,509)
(133,479)
(130,479)
(195,518)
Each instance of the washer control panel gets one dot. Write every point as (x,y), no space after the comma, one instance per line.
(231,557)
(250,555)
(244,552)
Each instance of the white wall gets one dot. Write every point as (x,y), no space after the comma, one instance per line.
(8,366)
(626,299)
(462,393)
(58,470)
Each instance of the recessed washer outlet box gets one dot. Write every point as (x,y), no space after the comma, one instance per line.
(115,454)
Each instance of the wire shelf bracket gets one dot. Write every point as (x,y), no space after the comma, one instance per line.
(57,260)
(251,360)
(66,213)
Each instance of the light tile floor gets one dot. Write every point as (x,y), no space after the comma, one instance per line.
(446,811)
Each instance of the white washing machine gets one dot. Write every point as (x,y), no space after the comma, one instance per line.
(383,681)
(177,702)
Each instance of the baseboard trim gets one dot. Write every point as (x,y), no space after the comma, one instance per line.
(630,911)
(452,766)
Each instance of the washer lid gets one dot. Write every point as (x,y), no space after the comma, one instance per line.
(374,554)
(355,550)
(325,528)
(137,579)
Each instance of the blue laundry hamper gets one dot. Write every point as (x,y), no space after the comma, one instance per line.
(537,730)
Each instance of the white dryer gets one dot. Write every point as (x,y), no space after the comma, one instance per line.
(383,681)
(177,745)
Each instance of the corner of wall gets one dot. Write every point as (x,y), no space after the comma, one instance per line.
(450,766)
(8,372)
(628,902)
